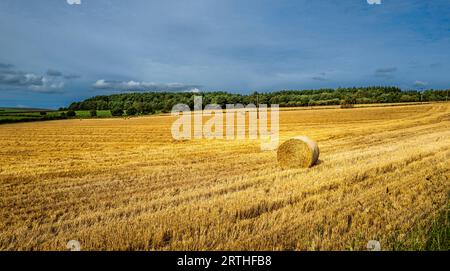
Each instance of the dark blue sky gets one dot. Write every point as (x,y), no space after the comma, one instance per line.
(53,52)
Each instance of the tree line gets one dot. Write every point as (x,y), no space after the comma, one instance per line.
(155,102)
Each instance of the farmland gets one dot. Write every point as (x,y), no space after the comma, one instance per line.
(125,184)
(25,114)
(12,115)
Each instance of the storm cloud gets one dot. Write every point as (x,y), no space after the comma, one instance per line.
(12,79)
(6,66)
(319,78)
(72,76)
(385,73)
(55,73)
(235,46)
(20,79)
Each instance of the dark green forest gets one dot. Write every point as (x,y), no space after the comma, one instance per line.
(154,102)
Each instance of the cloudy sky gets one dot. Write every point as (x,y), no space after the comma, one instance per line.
(53,52)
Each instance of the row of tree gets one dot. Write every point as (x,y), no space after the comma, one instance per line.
(153,102)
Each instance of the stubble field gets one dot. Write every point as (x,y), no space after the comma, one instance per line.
(125,184)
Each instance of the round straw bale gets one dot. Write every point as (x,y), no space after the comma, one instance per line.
(298,152)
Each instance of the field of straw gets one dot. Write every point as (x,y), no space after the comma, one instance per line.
(124,184)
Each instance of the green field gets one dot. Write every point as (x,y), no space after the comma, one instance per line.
(10,115)
(86,114)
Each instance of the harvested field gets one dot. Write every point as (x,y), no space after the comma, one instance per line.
(124,184)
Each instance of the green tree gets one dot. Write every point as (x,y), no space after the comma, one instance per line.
(132,111)
(117,111)
(71,113)
(139,106)
(150,102)
(148,108)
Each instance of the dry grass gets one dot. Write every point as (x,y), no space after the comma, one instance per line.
(120,184)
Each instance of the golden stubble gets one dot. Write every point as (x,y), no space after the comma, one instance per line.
(125,184)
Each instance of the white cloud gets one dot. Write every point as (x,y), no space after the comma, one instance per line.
(374,2)
(194,90)
(48,86)
(420,83)
(100,84)
(74,2)
(143,86)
